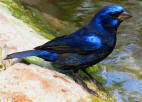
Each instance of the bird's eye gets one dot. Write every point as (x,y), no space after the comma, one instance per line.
(112,14)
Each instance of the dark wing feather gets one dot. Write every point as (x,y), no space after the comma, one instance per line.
(58,45)
(58,48)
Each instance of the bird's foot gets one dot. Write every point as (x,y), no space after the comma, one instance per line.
(91,91)
(94,81)
(84,84)
(98,85)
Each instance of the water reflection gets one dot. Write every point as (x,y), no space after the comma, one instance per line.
(126,86)
(124,71)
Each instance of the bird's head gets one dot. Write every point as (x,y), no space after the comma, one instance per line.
(110,17)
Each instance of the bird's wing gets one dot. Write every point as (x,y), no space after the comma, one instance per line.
(80,42)
(60,46)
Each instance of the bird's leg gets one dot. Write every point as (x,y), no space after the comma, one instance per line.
(83,83)
(93,80)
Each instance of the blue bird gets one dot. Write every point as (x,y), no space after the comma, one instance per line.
(85,47)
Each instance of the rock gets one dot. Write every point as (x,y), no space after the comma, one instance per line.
(15,35)
(31,83)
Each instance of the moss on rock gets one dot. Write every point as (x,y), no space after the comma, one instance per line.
(49,27)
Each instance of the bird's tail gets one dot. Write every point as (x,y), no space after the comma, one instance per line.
(40,53)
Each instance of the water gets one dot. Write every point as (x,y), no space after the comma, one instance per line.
(123,68)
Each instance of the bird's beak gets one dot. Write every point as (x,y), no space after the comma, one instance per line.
(124,15)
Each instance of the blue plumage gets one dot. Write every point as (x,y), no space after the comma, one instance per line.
(85,47)
(48,56)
